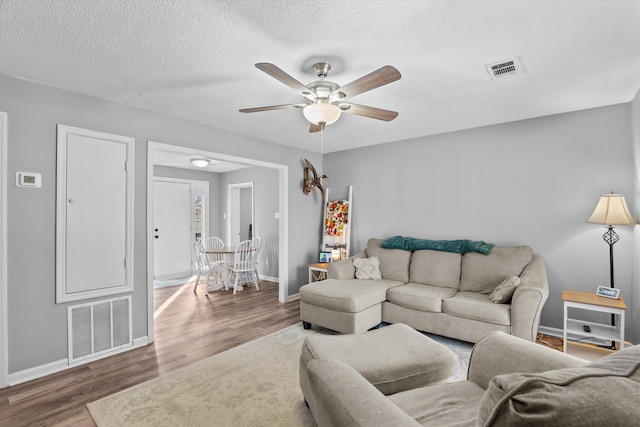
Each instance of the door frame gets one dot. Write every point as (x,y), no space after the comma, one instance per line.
(4,335)
(233,207)
(283,226)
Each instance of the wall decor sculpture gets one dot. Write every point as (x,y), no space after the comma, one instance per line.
(309,184)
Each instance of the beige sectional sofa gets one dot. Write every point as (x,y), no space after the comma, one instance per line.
(445,293)
(510,382)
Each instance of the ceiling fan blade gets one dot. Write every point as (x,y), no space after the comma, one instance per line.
(316,128)
(380,77)
(285,78)
(271,107)
(372,112)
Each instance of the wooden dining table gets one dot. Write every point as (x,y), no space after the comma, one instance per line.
(228,252)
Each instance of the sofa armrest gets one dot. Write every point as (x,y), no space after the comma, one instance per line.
(499,353)
(528,300)
(344,269)
(342,397)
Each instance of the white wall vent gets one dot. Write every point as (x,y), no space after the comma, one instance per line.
(507,68)
(99,328)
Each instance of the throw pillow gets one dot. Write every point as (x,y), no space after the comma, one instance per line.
(367,268)
(504,291)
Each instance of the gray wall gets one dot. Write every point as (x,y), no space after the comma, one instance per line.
(634,298)
(37,326)
(532,182)
(265,193)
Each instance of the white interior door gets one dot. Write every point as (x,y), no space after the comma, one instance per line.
(241,214)
(172,228)
(94,214)
(96,220)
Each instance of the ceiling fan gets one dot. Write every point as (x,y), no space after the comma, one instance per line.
(324,99)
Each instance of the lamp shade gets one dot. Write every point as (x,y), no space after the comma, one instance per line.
(321,113)
(612,210)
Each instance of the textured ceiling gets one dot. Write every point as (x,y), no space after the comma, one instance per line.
(195,59)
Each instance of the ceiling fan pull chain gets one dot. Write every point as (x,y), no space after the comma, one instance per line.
(322,151)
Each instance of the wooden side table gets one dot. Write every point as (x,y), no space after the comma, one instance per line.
(592,302)
(318,271)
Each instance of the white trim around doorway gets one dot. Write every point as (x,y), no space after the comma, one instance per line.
(4,339)
(283,208)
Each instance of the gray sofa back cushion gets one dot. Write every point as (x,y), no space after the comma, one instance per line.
(435,268)
(394,263)
(482,273)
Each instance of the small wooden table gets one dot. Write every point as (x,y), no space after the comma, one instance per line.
(318,271)
(592,302)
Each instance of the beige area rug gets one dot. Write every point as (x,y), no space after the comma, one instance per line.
(255,384)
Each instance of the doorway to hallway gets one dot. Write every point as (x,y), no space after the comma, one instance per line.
(241,224)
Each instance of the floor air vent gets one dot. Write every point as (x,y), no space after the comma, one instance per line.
(99,328)
(506,68)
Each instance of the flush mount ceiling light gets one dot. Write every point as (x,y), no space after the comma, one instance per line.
(199,163)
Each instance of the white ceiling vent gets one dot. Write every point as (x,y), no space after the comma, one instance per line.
(504,69)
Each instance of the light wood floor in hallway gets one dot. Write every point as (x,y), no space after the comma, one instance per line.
(189,327)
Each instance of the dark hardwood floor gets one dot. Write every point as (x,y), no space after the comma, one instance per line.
(188,327)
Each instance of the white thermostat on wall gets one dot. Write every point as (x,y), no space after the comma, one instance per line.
(28,179)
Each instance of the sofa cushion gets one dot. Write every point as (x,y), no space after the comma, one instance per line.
(435,268)
(476,306)
(349,295)
(367,268)
(420,297)
(394,263)
(504,291)
(567,397)
(451,404)
(481,273)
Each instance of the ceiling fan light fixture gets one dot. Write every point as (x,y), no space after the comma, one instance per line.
(199,162)
(321,113)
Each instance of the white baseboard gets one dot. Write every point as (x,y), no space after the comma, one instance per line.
(38,371)
(62,364)
(293,297)
(554,332)
(174,276)
(270,278)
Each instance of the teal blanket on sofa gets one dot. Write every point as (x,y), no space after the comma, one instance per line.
(458,246)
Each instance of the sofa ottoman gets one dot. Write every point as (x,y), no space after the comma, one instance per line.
(345,306)
(393,358)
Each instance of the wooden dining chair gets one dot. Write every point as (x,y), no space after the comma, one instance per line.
(244,265)
(257,244)
(216,260)
(199,264)
(205,266)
